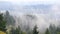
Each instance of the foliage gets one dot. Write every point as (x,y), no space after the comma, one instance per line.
(35,30)
(23,32)
(16,31)
(52,29)
(12,31)
(9,19)
(2,23)
(58,32)
(47,31)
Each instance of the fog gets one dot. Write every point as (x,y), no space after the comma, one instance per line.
(29,16)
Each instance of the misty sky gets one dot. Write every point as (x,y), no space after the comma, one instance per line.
(33,1)
(47,11)
(33,6)
(51,7)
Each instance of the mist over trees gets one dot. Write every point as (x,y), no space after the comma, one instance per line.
(25,25)
(2,24)
(47,31)
(35,30)
(9,19)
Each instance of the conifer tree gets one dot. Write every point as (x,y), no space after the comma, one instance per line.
(35,30)
(47,31)
(2,23)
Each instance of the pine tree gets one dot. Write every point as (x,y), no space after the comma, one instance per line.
(9,19)
(47,32)
(18,30)
(13,31)
(2,23)
(35,30)
(52,29)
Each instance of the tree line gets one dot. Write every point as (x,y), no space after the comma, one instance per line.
(4,26)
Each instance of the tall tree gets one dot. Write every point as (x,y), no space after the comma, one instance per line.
(52,29)
(18,30)
(13,31)
(9,19)
(2,23)
(47,31)
(35,30)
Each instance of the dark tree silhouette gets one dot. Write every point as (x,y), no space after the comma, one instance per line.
(47,31)
(52,29)
(2,23)
(35,30)
(9,19)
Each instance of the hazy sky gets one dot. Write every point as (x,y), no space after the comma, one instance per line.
(50,14)
(33,1)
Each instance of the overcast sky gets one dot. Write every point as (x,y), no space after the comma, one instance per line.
(52,14)
(33,1)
